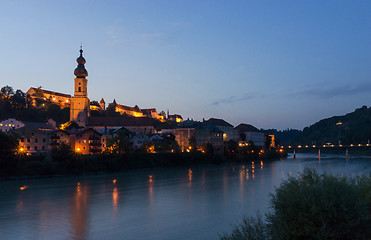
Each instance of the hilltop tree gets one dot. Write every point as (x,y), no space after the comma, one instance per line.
(7,91)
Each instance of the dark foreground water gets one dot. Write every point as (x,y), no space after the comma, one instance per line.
(176,203)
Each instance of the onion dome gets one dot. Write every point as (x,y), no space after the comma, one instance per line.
(80,71)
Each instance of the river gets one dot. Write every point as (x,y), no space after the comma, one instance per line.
(174,203)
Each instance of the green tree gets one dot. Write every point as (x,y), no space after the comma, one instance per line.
(230,147)
(63,154)
(316,206)
(250,229)
(19,100)
(209,149)
(7,91)
(192,144)
(8,150)
(313,206)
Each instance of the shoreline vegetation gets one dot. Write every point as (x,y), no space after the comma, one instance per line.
(312,206)
(64,162)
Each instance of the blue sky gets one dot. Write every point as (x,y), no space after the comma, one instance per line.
(273,64)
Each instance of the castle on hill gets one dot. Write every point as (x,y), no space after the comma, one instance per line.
(80,105)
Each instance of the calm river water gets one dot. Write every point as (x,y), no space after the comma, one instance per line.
(175,203)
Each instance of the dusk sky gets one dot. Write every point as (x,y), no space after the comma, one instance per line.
(272,64)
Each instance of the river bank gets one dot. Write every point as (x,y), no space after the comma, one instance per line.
(64,165)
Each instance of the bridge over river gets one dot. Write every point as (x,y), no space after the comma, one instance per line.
(328,146)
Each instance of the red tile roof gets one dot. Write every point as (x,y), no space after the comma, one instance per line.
(119,121)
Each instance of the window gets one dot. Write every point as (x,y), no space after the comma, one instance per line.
(28,147)
(22,139)
(79,89)
(28,140)
(79,141)
(43,148)
(84,147)
(44,140)
(35,148)
(35,140)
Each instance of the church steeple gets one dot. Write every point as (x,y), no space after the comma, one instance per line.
(80,104)
(80,71)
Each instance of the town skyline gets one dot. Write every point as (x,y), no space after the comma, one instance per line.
(228,61)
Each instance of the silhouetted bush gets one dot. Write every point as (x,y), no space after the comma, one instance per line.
(314,206)
(250,228)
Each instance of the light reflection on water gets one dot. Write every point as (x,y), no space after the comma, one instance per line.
(175,203)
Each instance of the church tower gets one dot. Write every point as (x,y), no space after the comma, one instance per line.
(80,104)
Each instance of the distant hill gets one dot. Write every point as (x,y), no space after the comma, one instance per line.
(284,137)
(352,128)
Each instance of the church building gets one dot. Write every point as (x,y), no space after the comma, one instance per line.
(80,104)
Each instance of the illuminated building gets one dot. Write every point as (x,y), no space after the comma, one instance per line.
(80,104)
(102,104)
(273,140)
(126,110)
(59,137)
(88,141)
(175,118)
(200,133)
(10,124)
(152,112)
(38,96)
(228,129)
(133,124)
(34,139)
(248,133)
(138,140)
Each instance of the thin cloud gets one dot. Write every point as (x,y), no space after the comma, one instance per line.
(337,91)
(233,99)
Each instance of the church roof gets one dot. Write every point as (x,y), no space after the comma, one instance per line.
(80,71)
